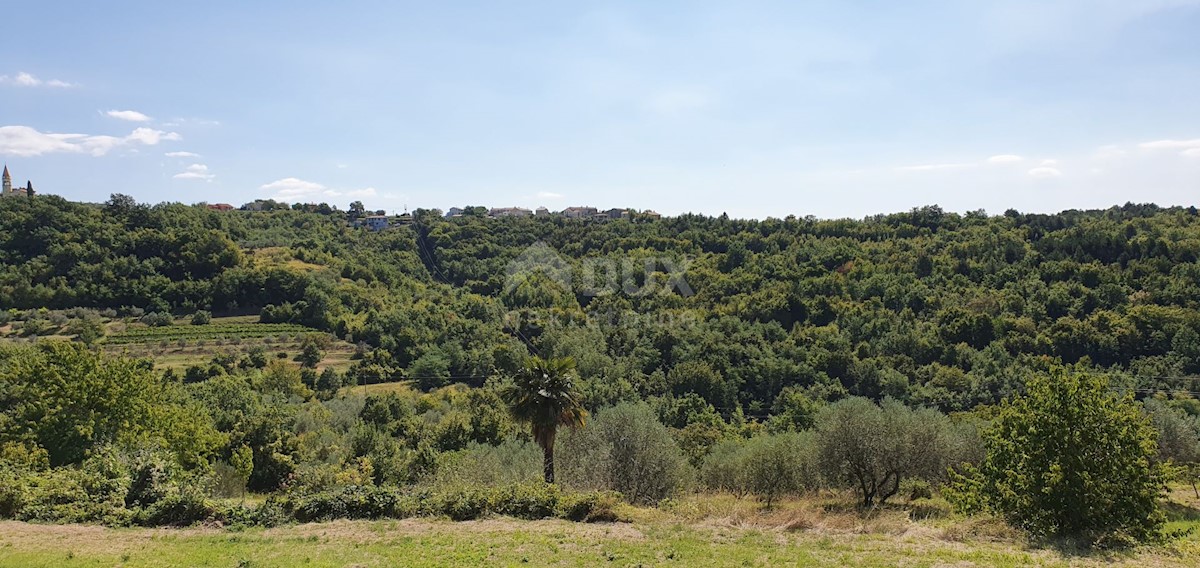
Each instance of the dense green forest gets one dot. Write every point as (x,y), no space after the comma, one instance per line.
(734,346)
(927,307)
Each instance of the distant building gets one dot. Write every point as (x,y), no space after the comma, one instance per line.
(542,212)
(578,212)
(8,190)
(220,206)
(376,222)
(455,212)
(650,214)
(509,212)
(617,213)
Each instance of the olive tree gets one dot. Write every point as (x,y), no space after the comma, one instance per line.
(625,448)
(766,466)
(1178,440)
(873,448)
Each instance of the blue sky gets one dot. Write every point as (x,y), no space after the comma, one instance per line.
(833,109)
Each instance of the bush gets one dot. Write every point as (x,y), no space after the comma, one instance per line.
(625,449)
(201,317)
(158,319)
(1070,459)
(513,461)
(767,466)
(181,507)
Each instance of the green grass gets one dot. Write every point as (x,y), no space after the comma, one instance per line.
(507,542)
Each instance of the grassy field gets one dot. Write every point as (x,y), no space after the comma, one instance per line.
(698,531)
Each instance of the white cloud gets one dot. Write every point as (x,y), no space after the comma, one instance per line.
(130,115)
(24,79)
(24,141)
(287,188)
(934,167)
(295,189)
(195,171)
(151,137)
(549,195)
(1004,159)
(182,155)
(1049,163)
(1170,144)
(1045,172)
(1191,152)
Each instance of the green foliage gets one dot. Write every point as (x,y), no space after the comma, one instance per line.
(158,319)
(201,317)
(766,466)
(873,448)
(625,449)
(69,401)
(1071,458)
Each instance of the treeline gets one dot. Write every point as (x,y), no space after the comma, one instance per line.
(926,307)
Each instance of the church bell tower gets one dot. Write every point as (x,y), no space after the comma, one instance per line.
(7,181)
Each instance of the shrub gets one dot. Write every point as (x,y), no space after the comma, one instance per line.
(767,466)
(1070,459)
(725,468)
(625,449)
(513,461)
(201,317)
(779,465)
(158,319)
(184,505)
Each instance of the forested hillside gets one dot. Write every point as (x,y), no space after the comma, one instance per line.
(927,307)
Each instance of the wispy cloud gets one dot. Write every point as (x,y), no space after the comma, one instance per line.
(182,155)
(1005,159)
(130,115)
(997,160)
(549,195)
(195,171)
(24,79)
(934,167)
(295,189)
(25,141)
(1170,144)
(1045,172)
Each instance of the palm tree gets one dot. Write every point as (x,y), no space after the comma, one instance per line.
(543,394)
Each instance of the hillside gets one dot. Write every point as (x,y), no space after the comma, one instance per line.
(925,306)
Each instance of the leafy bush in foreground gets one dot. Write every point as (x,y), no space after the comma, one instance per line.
(1071,459)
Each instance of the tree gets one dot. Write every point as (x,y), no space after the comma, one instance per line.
(543,394)
(874,448)
(1178,440)
(242,461)
(357,210)
(201,317)
(310,355)
(1070,458)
